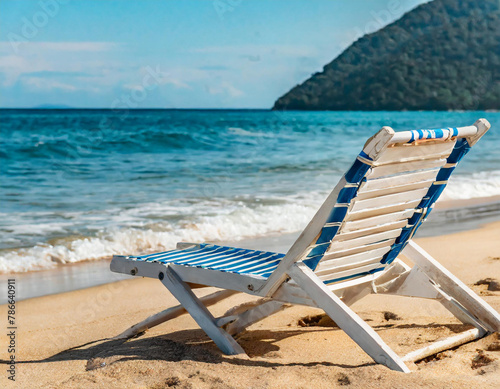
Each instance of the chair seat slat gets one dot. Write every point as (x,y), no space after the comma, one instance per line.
(402,179)
(369,222)
(383,210)
(369,194)
(398,168)
(339,246)
(382,227)
(351,273)
(343,263)
(360,249)
(415,152)
(381,201)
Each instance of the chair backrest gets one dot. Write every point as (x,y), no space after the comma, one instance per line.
(383,198)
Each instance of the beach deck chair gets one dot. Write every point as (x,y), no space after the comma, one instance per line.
(349,250)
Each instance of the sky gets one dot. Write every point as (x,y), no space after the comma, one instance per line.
(174,54)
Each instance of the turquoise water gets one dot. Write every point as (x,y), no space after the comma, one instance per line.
(84,184)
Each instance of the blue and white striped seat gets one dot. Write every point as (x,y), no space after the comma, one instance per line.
(214,257)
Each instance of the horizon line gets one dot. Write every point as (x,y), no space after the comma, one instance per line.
(232,109)
(135,109)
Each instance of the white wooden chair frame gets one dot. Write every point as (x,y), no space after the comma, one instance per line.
(293,282)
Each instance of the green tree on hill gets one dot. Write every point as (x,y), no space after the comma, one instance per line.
(442,55)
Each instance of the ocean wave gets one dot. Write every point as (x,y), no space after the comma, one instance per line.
(242,132)
(481,184)
(77,146)
(237,224)
(151,227)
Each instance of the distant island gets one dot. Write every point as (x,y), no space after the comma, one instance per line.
(443,55)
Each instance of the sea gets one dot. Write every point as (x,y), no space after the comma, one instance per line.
(80,185)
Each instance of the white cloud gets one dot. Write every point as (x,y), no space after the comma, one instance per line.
(72,63)
(178,83)
(12,66)
(47,84)
(132,87)
(216,76)
(7,47)
(77,46)
(258,50)
(224,88)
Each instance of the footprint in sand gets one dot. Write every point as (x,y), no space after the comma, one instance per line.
(493,284)
(481,359)
(320,320)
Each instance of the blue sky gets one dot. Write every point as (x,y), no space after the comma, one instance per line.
(174,54)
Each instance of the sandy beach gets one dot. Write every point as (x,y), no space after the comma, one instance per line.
(333,134)
(63,340)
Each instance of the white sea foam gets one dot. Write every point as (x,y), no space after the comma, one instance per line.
(481,184)
(159,226)
(235,224)
(243,132)
(38,228)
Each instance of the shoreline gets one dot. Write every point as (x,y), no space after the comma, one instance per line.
(449,216)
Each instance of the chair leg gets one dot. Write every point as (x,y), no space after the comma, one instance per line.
(460,312)
(171,313)
(347,319)
(415,283)
(182,292)
(451,285)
